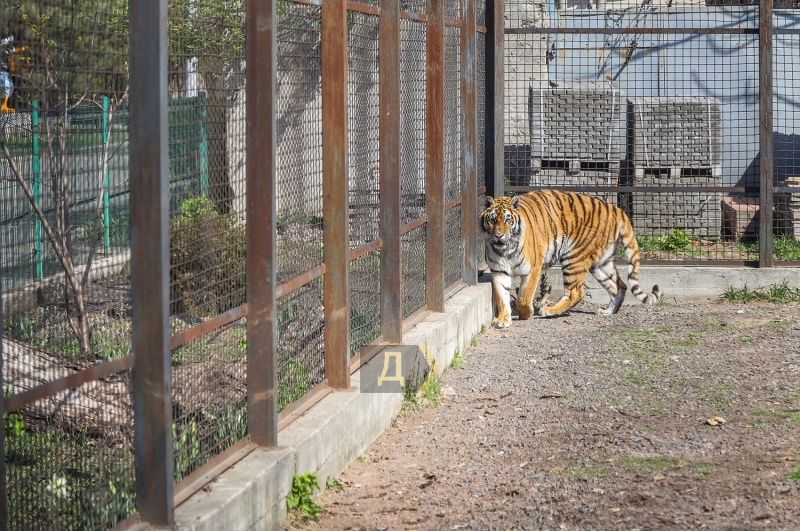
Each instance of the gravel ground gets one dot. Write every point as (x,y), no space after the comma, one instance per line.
(590,422)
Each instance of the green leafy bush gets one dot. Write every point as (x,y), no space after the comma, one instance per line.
(207,258)
(300,498)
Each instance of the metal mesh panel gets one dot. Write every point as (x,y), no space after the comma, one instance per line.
(675,114)
(69,458)
(452,99)
(452,245)
(363,105)
(64,231)
(413,252)
(207,232)
(413,6)
(412,150)
(365,310)
(481,242)
(452,9)
(786,140)
(299,130)
(480,13)
(301,350)
(480,43)
(209,396)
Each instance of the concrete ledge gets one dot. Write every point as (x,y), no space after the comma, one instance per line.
(252,494)
(686,283)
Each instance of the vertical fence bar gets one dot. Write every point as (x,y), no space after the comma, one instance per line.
(149,188)
(262,345)
(335,192)
(3,486)
(765,132)
(390,197)
(495,136)
(106,217)
(203,145)
(434,157)
(38,237)
(469,144)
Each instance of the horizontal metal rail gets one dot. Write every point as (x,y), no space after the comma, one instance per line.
(645,189)
(76,379)
(634,31)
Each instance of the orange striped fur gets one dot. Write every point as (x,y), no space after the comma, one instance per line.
(527,234)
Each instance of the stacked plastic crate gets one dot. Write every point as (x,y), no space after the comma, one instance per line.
(675,142)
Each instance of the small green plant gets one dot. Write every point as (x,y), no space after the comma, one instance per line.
(794,475)
(458,360)
(777,293)
(361,459)
(721,401)
(431,389)
(474,341)
(331,483)
(13,423)
(785,248)
(300,498)
(748,340)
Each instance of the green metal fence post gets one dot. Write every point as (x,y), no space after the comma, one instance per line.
(37,244)
(106,218)
(203,146)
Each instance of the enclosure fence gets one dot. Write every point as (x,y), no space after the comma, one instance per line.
(683,113)
(210,220)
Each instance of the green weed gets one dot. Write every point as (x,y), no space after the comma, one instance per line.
(300,499)
(458,360)
(778,294)
(474,341)
(331,483)
(794,475)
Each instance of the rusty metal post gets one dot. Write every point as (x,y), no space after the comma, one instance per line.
(149,189)
(434,157)
(469,145)
(3,484)
(335,191)
(495,141)
(765,132)
(389,83)
(262,373)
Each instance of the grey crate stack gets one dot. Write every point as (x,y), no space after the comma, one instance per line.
(787,209)
(675,142)
(575,132)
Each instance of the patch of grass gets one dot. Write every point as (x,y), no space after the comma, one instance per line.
(331,483)
(458,360)
(431,389)
(785,248)
(748,340)
(300,497)
(645,429)
(721,401)
(473,342)
(681,345)
(794,475)
(778,294)
(635,377)
(586,473)
(779,324)
(650,463)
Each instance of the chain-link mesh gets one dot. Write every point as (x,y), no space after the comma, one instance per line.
(452,245)
(363,108)
(412,161)
(299,133)
(363,104)
(675,113)
(452,103)
(480,13)
(301,349)
(209,396)
(207,231)
(786,139)
(64,219)
(480,43)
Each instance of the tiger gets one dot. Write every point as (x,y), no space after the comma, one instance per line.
(528,233)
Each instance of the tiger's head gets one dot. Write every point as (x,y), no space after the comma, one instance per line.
(501,220)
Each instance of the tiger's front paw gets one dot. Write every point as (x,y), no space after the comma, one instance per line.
(498,322)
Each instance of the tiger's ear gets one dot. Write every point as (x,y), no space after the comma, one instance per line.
(489,201)
(515,201)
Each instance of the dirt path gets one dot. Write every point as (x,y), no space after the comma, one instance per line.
(587,422)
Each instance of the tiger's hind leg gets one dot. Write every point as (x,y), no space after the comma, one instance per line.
(573,292)
(608,277)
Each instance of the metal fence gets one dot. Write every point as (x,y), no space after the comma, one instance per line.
(665,109)
(198,211)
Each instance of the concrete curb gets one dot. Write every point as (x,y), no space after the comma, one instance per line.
(685,284)
(251,495)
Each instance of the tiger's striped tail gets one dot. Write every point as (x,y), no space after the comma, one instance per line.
(632,254)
